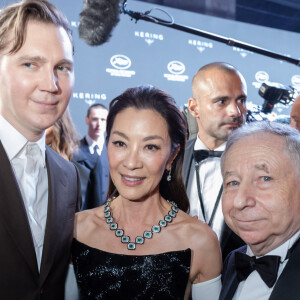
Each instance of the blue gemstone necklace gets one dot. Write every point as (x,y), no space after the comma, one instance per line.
(139,240)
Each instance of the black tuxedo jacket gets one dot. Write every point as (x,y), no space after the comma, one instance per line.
(94,175)
(286,287)
(228,240)
(20,278)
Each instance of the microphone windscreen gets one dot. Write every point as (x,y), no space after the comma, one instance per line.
(97,20)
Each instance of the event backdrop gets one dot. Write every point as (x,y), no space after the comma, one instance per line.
(147,53)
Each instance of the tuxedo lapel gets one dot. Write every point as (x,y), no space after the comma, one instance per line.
(57,193)
(84,156)
(13,213)
(188,161)
(287,285)
(81,152)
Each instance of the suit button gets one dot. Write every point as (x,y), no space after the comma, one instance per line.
(41,291)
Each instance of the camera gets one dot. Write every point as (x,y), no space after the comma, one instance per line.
(274,93)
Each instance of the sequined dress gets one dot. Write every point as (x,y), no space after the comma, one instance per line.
(104,275)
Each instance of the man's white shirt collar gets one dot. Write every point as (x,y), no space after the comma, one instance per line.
(90,141)
(199,145)
(13,141)
(281,250)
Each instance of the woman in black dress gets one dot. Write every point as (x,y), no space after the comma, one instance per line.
(141,244)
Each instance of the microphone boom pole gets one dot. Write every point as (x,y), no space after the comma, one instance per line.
(219,38)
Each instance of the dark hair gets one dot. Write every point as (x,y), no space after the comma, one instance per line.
(14,18)
(96,105)
(149,97)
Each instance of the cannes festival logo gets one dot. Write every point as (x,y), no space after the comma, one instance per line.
(176,71)
(296,81)
(120,62)
(261,76)
(176,67)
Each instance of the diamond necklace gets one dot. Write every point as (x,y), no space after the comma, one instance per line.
(147,234)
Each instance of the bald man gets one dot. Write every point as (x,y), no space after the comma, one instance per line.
(295,114)
(219,107)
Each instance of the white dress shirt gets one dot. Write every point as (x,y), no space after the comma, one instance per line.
(92,143)
(254,287)
(210,184)
(34,190)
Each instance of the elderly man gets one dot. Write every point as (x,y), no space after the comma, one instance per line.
(219,107)
(261,204)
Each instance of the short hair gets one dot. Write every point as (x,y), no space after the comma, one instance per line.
(290,135)
(220,66)
(152,98)
(96,105)
(14,18)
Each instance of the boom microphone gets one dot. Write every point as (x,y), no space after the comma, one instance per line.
(97,20)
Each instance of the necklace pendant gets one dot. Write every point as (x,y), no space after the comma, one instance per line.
(172,214)
(174,208)
(131,246)
(119,232)
(139,240)
(109,220)
(113,226)
(162,223)
(148,234)
(125,239)
(155,229)
(168,219)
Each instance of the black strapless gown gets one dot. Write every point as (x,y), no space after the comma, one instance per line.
(104,275)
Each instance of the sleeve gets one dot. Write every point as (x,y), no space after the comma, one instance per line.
(71,288)
(207,290)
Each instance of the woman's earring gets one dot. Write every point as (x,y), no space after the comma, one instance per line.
(169,177)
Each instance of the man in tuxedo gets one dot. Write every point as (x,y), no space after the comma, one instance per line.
(39,190)
(219,107)
(261,204)
(295,114)
(92,155)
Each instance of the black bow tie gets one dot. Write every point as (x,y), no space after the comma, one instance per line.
(266,266)
(199,155)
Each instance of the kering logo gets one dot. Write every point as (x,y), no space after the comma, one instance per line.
(120,63)
(241,51)
(176,69)
(89,98)
(149,38)
(201,45)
